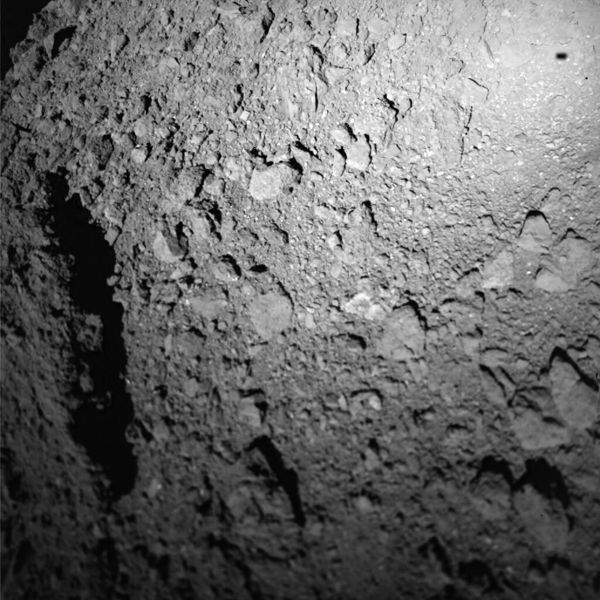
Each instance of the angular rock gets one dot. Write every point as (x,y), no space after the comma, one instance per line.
(226,270)
(377,28)
(213,185)
(404,337)
(101,149)
(269,183)
(365,399)
(544,522)
(491,496)
(576,400)
(551,281)
(473,93)
(342,135)
(361,305)
(499,272)
(535,432)
(270,314)
(191,387)
(182,188)
(346,26)
(358,154)
(207,306)
(564,270)
(396,41)
(535,235)
(338,164)
(493,389)
(166,248)
(492,357)
(248,412)
(139,155)
(200,227)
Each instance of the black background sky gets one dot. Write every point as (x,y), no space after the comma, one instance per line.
(15,18)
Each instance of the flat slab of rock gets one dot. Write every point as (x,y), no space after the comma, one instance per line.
(566,267)
(499,272)
(166,248)
(404,336)
(535,235)
(358,154)
(535,432)
(207,306)
(547,525)
(361,305)
(270,314)
(576,400)
(266,184)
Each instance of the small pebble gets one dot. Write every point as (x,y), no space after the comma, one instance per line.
(363,505)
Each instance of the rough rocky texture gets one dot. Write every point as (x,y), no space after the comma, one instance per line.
(302,300)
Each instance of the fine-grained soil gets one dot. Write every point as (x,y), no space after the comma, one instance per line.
(301,300)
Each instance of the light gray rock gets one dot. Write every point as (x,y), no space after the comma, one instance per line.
(269,183)
(535,235)
(499,272)
(270,314)
(358,154)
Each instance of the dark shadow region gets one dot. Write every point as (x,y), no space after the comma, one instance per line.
(16,16)
(105,408)
(287,478)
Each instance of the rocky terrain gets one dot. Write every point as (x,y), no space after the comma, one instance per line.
(302,301)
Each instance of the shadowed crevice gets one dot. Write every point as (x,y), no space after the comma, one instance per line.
(287,478)
(105,410)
